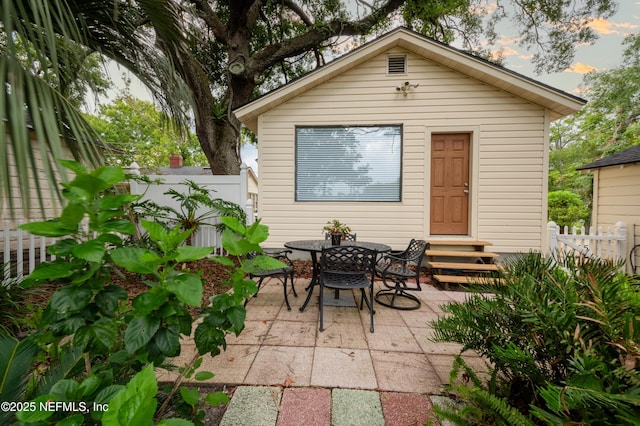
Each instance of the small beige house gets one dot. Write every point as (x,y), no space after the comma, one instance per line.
(616,193)
(406,138)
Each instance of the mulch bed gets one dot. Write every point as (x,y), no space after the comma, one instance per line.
(213,273)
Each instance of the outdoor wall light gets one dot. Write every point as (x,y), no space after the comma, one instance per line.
(406,87)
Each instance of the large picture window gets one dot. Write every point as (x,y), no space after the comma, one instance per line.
(354,163)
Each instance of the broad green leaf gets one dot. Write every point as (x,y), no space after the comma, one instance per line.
(208,339)
(74,420)
(139,332)
(230,241)
(237,315)
(70,299)
(85,187)
(92,251)
(89,386)
(190,396)
(189,253)
(51,270)
(216,398)
(106,394)
(248,247)
(68,325)
(223,260)
(233,224)
(150,300)
(49,228)
(262,263)
(168,342)
(203,375)
(136,403)
(116,201)
(123,226)
(75,166)
(156,231)
(38,415)
(257,232)
(109,175)
(187,287)
(134,259)
(72,215)
(65,390)
(62,248)
(109,298)
(99,337)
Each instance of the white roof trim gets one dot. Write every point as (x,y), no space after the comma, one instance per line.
(558,102)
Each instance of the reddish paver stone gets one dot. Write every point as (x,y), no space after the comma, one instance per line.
(406,409)
(305,406)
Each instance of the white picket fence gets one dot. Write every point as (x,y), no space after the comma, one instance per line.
(609,245)
(22,251)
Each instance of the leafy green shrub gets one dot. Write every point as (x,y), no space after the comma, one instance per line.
(567,209)
(96,341)
(562,339)
(196,208)
(12,308)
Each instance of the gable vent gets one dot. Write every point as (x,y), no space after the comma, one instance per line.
(397,64)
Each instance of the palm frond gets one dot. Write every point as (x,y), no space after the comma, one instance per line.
(38,120)
(16,360)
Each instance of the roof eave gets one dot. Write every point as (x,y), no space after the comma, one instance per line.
(561,104)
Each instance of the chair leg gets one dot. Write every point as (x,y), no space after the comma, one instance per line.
(397,292)
(255,295)
(284,285)
(371,311)
(293,287)
(321,308)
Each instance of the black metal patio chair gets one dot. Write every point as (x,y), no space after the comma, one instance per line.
(396,269)
(348,268)
(282,274)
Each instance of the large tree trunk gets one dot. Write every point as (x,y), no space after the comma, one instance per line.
(220,143)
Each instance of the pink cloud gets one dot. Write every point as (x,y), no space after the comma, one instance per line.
(580,68)
(606,27)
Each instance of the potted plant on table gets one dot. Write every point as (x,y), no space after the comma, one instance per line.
(337,230)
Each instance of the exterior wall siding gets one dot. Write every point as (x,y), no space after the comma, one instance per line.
(50,202)
(508,175)
(617,199)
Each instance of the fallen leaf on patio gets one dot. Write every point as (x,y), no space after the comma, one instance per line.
(288,382)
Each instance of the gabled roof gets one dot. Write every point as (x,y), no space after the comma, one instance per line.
(630,155)
(560,103)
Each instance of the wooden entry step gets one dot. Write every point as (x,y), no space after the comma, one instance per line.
(474,244)
(482,267)
(464,279)
(459,253)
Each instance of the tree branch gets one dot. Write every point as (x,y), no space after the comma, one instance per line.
(275,52)
(209,16)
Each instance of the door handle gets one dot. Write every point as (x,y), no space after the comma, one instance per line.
(466,191)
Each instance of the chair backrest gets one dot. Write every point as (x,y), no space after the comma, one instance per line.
(347,259)
(415,251)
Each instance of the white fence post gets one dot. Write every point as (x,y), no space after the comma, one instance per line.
(609,245)
(621,246)
(248,209)
(552,231)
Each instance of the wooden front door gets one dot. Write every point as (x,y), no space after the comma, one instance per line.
(450,184)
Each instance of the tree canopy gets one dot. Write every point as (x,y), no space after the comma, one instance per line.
(608,123)
(135,130)
(209,57)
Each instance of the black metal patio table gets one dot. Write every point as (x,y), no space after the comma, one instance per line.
(315,246)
